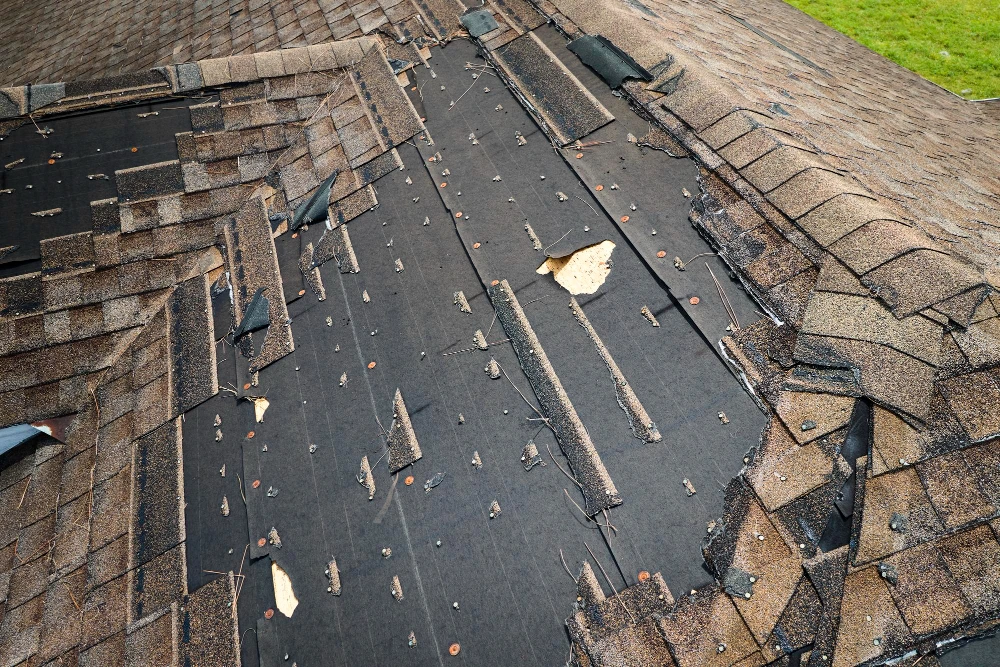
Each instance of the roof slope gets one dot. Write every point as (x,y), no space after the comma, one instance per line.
(863,525)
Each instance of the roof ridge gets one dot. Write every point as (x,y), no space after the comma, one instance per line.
(20,101)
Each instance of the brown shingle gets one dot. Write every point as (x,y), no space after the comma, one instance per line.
(952,488)
(870,623)
(809,189)
(894,442)
(925,591)
(809,416)
(705,630)
(864,318)
(899,492)
(779,165)
(891,378)
(19,630)
(109,497)
(919,279)
(728,129)
(61,618)
(108,604)
(973,559)
(775,583)
(877,242)
(841,216)
(975,399)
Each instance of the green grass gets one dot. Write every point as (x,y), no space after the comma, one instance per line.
(954,43)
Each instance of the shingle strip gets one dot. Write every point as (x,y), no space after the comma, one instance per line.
(638,419)
(599,491)
(253,262)
(193,376)
(387,106)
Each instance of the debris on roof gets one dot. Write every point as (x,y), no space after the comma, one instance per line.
(851,203)
(611,63)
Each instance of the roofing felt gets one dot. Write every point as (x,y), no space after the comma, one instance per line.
(868,348)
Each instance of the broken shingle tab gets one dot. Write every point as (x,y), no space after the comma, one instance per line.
(256,315)
(314,210)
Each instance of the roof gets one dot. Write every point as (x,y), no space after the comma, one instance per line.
(843,504)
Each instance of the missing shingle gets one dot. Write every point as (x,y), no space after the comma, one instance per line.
(582,271)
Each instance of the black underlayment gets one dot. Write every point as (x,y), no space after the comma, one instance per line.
(495,585)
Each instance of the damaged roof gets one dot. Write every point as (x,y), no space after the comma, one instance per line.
(675,323)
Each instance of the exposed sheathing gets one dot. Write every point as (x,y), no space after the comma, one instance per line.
(284,594)
(599,491)
(583,271)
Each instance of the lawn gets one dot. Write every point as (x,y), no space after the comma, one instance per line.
(954,43)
